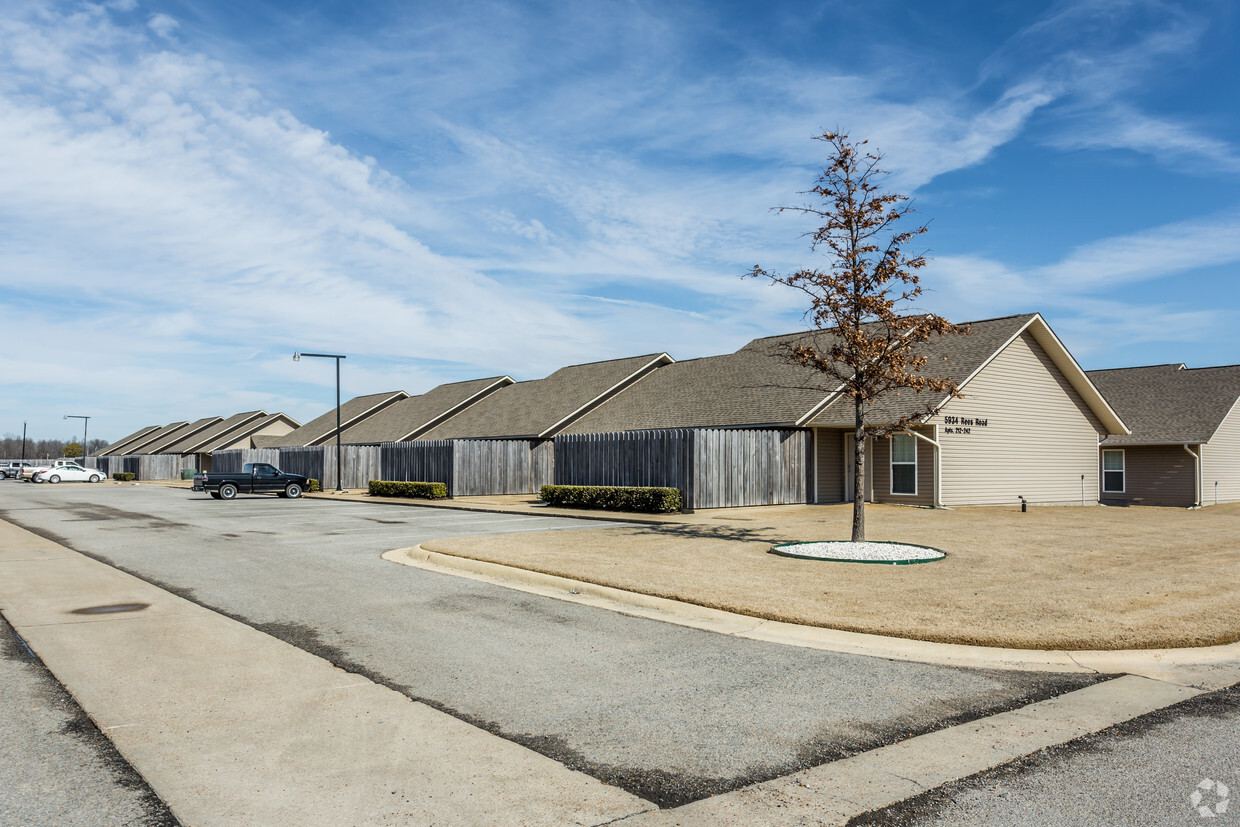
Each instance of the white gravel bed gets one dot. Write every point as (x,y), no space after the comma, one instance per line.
(862,552)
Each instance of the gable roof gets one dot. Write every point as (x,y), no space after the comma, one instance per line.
(1169,404)
(250,430)
(195,442)
(322,429)
(753,386)
(757,387)
(545,407)
(406,419)
(116,448)
(161,445)
(138,446)
(961,358)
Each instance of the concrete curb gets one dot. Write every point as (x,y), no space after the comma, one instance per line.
(1205,667)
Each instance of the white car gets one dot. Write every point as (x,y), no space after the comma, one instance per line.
(69,473)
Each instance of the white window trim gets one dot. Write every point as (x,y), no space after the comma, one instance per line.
(1123,471)
(891,466)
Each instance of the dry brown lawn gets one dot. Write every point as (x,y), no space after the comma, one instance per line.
(1053,578)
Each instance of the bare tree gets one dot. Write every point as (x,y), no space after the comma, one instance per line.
(863,296)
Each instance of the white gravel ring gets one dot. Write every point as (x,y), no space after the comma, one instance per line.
(870,552)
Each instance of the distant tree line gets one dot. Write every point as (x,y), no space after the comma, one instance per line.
(11,447)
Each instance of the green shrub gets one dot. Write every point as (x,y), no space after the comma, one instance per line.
(124,476)
(314,485)
(423,490)
(613,498)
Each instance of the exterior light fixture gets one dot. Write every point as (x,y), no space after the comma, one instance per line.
(337,357)
(85,424)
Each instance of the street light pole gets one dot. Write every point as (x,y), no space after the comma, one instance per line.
(85,425)
(337,357)
(23,440)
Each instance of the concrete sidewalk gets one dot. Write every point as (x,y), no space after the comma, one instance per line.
(231,726)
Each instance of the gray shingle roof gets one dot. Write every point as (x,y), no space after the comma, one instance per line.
(756,386)
(138,446)
(1169,404)
(948,357)
(410,417)
(116,447)
(249,429)
(538,407)
(750,387)
(322,429)
(198,441)
(161,445)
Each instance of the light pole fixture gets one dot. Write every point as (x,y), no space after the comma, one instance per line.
(85,424)
(337,357)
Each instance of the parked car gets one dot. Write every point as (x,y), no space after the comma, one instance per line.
(13,469)
(255,478)
(69,473)
(29,471)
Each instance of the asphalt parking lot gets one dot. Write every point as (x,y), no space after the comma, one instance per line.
(669,713)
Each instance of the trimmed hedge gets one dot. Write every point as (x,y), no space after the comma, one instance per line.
(423,490)
(613,498)
(124,476)
(314,485)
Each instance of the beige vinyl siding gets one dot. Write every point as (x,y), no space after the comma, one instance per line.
(880,466)
(1039,436)
(829,457)
(1220,461)
(1156,475)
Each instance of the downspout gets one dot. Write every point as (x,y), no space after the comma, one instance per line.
(938,464)
(1196,476)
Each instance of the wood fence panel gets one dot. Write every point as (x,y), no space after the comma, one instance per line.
(751,467)
(304,460)
(630,458)
(159,467)
(483,467)
(420,461)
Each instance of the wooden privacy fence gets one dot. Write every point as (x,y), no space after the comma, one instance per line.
(656,458)
(469,467)
(359,464)
(422,461)
(751,467)
(305,461)
(146,466)
(500,466)
(712,468)
(231,461)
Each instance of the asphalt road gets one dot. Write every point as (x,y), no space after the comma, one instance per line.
(1142,772)
(56,768)
(669,713)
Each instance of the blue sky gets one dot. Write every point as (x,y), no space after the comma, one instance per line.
(191,191)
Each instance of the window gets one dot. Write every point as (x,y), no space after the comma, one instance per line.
(1113,472)
(903,464)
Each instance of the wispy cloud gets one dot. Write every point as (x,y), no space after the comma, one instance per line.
(492,188)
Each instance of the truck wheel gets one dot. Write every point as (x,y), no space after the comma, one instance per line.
(228,491)
(292,490)
(54,478)
(215,495)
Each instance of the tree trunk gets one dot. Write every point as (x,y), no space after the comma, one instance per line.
(858,470)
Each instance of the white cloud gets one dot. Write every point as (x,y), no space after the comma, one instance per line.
(561,189)
(163,25)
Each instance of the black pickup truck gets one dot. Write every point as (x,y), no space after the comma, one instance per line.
(255,478)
